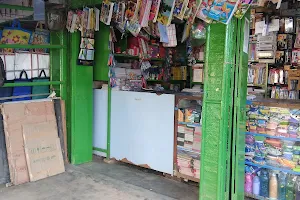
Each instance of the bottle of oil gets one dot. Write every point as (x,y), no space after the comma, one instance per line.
(273,187)
(281,186)
(264,183)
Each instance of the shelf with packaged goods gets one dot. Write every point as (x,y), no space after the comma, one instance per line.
(126,56)
(190,124)
(273,168)
(16,7)
(273,137)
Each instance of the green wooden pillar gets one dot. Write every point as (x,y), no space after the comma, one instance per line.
(217,114)
(239,115)
(101,53)
(81,110)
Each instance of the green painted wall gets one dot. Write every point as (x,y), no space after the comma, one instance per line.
(219,65)
(101,53)
(81,91)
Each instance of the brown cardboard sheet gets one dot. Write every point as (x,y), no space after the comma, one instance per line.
(43,150)
(15,115)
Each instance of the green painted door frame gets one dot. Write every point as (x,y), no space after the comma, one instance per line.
(239,115)
(217,111)
(81,106)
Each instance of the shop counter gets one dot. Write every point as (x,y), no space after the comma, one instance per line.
(142,128)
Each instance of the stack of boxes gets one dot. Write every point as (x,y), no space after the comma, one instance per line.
(189,142)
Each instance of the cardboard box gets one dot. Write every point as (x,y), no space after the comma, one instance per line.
(43,150)
(15,115)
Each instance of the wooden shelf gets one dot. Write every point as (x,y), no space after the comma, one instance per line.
(289,171)
(274,137)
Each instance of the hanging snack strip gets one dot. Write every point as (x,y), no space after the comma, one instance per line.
(87,22)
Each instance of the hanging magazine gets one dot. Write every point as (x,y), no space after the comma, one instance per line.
(129,13)
(180,8)
(106,12)
(166,12)
(86,53)
(222,10)
(194,7)
(242,8)
(118,12)
(145,12)
(203,11)
(154,10)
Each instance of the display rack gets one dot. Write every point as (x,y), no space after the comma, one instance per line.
(273,168)
(182,102)
(57,62)
(272,112)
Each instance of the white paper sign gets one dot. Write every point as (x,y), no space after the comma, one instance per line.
(246,35)
(273,26)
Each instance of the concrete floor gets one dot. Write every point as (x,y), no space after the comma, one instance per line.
(101,181)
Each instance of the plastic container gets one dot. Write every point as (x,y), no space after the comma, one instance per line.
(273,187)
(256,186)
(272,161)
(288,155)
(288,143)
(248,183)
(281,186)
(297,188)
(264,183)
(290,187)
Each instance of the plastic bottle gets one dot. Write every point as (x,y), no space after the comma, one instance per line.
(297,188)
(256,186)
(290,187)
(264,183)
(281,186)
(248,183)
(273,187)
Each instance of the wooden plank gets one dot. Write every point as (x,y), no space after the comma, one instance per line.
(15,115)
(43,150)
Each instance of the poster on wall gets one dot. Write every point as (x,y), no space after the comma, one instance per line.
(246,35)
(222,10)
